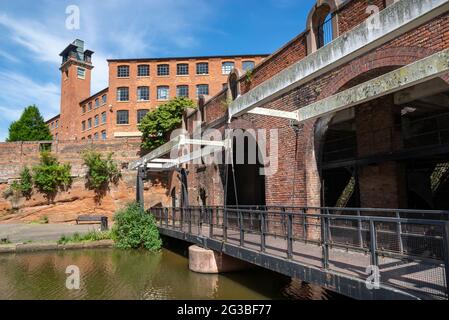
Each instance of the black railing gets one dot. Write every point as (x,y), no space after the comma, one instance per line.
(324,32)
(411,253)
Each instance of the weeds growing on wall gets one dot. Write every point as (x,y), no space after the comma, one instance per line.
(136,229)
(49,175)
(25,186)
(102,170)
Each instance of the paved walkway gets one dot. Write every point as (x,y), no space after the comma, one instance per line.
(17,233)
(410,274)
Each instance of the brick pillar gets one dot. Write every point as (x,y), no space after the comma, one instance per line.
(382,185)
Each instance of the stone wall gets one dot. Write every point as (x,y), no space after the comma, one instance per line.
(77,200)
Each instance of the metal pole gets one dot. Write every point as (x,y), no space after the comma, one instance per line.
(290,235)
(325,237)
(262,232)
(359,224)
(166,217)
(242,232)
(141,172)
(190,220)
(399,230)
(211,223)
(225,224)
(373,244)
(446,255)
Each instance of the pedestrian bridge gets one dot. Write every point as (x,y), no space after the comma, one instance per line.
(343,250)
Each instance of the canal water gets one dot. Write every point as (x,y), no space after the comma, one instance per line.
(138,275)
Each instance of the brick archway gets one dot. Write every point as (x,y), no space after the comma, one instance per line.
(386,59)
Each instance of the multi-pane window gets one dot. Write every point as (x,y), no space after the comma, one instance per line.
(182,91)
(143,94)
(227,67)
(96,136)
(89,106)
(143,70)
(103,118)
(202,68)
(103,135)
(97,103)
(57,124)
(103,99)
(81,72)
(97,120)
(163,70)
(182,69)
(141,114)
(83,125)
(248,65)
(89,124)
(202,89)
(163,93)
(123,94)
(84,109)
(123,117)
(123,71)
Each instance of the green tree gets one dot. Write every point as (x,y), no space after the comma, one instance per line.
(30,127)
(157,125)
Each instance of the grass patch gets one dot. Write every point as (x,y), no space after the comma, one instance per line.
(5,241)
(91,236)
(42,220)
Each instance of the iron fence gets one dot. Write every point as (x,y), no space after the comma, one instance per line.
(410,252)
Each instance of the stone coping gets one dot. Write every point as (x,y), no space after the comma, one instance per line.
(53,246)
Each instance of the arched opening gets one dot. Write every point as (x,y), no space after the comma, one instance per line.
(245,183)
(233,85)
(323,27)
(391,152)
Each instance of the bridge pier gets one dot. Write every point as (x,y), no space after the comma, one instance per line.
(212,262)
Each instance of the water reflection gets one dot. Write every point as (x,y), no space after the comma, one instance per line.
(115,274)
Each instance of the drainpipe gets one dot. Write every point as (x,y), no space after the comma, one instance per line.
(141,173)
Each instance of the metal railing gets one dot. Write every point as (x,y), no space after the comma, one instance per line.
(411,253)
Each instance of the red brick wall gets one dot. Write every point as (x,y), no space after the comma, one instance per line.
(355,12)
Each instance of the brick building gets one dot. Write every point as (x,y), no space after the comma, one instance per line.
(360,101)
(136,86)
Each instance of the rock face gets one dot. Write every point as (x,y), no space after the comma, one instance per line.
(77,200)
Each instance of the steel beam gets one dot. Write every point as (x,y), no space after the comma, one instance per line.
(405,77)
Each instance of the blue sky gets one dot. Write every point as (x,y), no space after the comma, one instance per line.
(33,33)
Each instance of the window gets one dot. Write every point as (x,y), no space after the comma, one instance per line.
(123,71)
(83,125)
(104,99)
(163,93)
(163,70)
(89,137)
(97,120)
(84,109)
(96,136)
(202,89)
(225,86)
(89,124)
(182,91)
(248,65)
(143,70)
(140,114)
(90,106)
(81,72)
(103,135)
(143,94)
(123,117)
(56,136)
(57,124)
(123,94)
(182,69)
(202,68)
(103,118)
(52,125)
(227,67)
(97,103)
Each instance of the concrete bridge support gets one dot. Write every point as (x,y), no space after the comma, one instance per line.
(212,262)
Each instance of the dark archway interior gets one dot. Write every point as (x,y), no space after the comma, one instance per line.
(248,188)
(413,170)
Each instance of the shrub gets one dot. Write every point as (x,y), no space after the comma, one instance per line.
(88,237)
(136,229)
(101,170)
(49,175)
(25,186)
